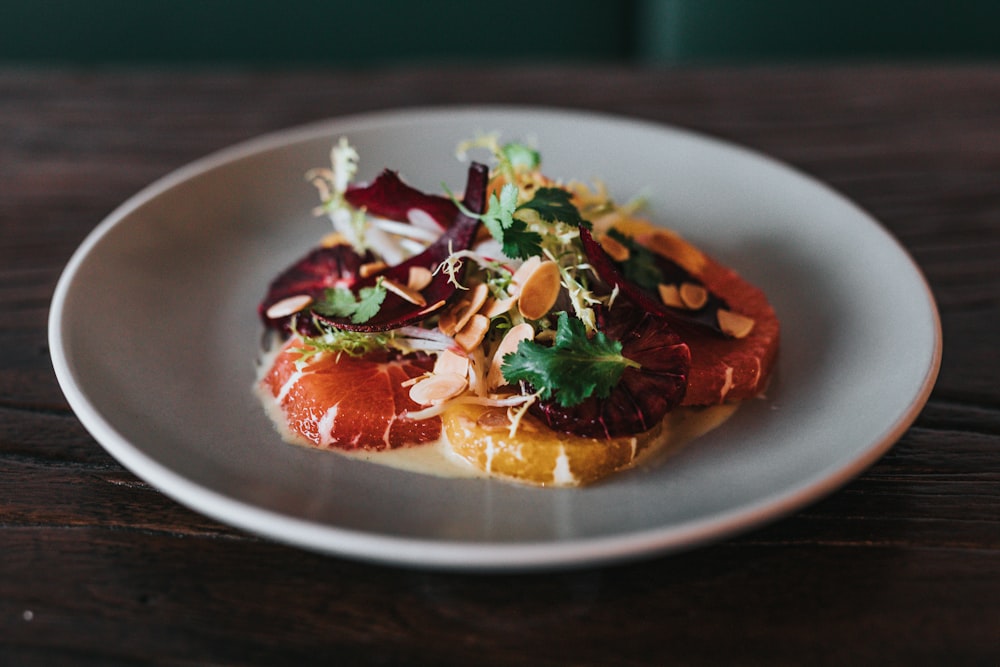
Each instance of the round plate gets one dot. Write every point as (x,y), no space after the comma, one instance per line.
(154,334)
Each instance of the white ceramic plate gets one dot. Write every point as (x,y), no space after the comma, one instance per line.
(153,335)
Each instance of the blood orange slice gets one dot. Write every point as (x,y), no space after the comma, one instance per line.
(643,395)
(723,368)
(337,401)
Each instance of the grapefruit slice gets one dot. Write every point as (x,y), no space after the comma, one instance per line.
(331,400)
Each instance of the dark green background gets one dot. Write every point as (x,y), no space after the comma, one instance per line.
(340,32)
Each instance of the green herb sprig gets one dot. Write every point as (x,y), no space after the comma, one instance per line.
(574,368)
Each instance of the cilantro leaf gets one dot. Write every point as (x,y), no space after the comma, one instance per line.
(640,267)
(369,301)
(500,212)
(341,302)
(517,240)
(573,369)
(553,204)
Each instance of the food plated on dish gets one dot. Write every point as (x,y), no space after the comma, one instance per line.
(530,329)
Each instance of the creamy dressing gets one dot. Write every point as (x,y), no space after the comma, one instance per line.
(439,459)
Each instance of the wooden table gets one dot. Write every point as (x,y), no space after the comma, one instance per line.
(902,566)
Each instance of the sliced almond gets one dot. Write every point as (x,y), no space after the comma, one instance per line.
(694,296)
(522,273)
(459,315)
(509,343)
(404,292)
(539,291)
(497,307)
(371,268)
(437,388)
(494,419)
(668,244)
(472,334)
(452,362)
(734,324)
(288,306)
(333,239)
(670,295)
(434,306)
(419,277)
(615,248)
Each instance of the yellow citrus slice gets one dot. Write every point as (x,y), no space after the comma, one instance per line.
(536,454)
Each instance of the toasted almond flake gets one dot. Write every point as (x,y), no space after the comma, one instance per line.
(494,419)
(460,314)
(450,361)
(734,324)
(434,306)
(477,299)
(546,336)
(497,307)
(404,292)
(694,296)
(615,249)
(437,388)
(288,306)
(371,268)
(670,295)
(419,277)
(668,244)
(539,291)
(472,334)
(521,274)
(509,343)
(333,239)
(413,380)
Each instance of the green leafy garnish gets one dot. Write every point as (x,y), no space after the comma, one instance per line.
(554,205)
(517,240)
(573,369)
(640,267)
(520,157)
(341,302)
(341,341)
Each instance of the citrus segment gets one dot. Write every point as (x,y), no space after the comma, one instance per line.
(338,401)
(722,368)
(536,454)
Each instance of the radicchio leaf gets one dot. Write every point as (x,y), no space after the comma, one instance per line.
(398,312)
(322,269)
(389,197)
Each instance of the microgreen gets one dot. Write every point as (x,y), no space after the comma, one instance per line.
(574,368)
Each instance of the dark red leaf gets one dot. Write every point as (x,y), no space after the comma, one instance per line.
(389,197)
(609,271)
(320,270)
(396,311)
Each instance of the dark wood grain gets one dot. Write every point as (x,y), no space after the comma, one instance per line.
(902,566)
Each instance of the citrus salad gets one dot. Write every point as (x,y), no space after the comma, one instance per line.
(528,328)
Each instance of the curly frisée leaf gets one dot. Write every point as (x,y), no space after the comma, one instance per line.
(574,368)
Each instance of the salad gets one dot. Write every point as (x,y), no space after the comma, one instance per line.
(527,328)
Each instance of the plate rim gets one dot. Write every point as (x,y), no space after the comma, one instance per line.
(479,555)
